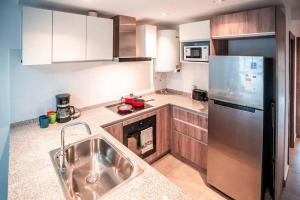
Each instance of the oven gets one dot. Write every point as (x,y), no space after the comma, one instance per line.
(140,136)
(196,53)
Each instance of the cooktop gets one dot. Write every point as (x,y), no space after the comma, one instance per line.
(114,108)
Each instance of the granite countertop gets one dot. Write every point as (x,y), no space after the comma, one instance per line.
(32,175)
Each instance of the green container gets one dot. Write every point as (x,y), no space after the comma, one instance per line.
(52,117)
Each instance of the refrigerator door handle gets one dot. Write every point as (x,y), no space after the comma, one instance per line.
(234,106)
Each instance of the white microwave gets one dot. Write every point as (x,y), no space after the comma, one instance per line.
(196,53)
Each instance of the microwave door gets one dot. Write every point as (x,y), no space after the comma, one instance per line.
(196,53)
(192,53)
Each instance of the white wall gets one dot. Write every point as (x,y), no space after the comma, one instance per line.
(191,74)
(33,88)
(9,39)
(295,27)
(287,94)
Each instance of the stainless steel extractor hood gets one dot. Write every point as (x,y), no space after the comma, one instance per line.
(125,40)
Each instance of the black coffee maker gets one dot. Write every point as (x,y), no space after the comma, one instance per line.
(64,111)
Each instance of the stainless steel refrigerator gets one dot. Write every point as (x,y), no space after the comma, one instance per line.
(240,131)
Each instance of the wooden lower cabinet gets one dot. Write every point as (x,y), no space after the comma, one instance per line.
(163,128)
(190,149)
(163,133)
(186,139)
(191,130)
(190,117)
(116,130)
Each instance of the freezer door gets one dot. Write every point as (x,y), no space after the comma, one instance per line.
(237,79)
(235,144)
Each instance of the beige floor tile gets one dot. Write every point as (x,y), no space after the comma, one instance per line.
(166,164)
(190,180)
(204,197)
(211,194)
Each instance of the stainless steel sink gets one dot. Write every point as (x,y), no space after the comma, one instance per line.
(93,168)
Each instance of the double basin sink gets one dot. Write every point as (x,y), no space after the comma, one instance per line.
(93,168)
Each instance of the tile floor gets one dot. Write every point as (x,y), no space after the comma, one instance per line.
(190,180)
(292,189)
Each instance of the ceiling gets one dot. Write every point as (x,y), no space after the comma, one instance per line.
(162,12)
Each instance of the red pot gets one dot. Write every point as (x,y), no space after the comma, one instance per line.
(129,99)
(138,103)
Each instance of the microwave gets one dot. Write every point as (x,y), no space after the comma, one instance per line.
(196,53)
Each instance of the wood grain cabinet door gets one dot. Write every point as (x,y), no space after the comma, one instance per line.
(190,130)
(189,136)
(189,117)
(163,132)
(249,23)
(190,149)
(116,130)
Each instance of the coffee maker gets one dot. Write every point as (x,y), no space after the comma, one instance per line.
(64,111)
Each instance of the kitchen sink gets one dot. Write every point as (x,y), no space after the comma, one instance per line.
(93,168)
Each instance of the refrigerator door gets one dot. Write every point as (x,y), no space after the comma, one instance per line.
(237,79)
(235,145)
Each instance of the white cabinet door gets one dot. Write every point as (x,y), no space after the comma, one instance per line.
(146,40)
(195,31)
(69,37)
(36,36)
(167,51)
(99,38)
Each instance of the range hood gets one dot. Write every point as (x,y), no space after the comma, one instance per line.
(125,40)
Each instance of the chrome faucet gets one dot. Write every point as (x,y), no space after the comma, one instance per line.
(62,148)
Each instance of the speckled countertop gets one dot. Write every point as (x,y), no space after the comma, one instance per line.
(32,175)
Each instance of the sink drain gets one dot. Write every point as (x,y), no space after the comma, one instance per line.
(92,178)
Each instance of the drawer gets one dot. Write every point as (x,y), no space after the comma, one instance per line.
(190,117)
(191,130)
(190,149)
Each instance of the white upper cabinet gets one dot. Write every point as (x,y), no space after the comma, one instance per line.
(99,38)
(36,36)
(195,31)
(146,39)
(69,37)
(167,51)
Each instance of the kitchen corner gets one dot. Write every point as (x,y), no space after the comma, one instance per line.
(32,175)
(218,118)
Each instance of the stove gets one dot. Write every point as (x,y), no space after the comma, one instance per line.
(114,108)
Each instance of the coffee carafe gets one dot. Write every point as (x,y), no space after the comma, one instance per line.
(64,111)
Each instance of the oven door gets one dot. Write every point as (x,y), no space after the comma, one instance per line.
(140,137)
